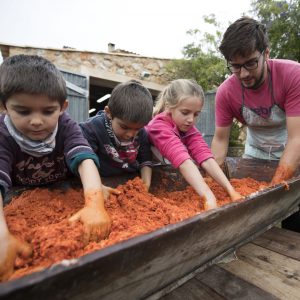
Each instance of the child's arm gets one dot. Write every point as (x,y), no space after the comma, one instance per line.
(10,247)
(146,174)
(96,220)
(193,176)
(144,158)
(214,170)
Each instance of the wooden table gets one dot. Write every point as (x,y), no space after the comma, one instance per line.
(266,268)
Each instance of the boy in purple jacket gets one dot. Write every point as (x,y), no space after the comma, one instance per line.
(40,144)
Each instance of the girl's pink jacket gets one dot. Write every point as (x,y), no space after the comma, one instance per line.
(174,145)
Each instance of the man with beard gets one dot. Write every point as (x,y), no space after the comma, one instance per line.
(263,94)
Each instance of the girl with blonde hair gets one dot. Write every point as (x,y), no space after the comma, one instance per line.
(173,133)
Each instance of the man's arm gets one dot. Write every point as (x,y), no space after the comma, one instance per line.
(220,142)
(290,158)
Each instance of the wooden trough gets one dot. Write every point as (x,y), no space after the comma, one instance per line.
(138,267)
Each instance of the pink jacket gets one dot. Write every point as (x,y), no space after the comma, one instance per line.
(174,145)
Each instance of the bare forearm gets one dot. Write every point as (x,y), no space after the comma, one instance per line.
(219,149)
(290,158)
(213,169)
(91,182)
(89,175)
(288,163)
(146,174)
(291,154)
(193,176)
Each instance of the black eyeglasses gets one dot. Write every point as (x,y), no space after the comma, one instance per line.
(249,65)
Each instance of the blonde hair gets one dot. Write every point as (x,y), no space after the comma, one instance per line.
(175,92)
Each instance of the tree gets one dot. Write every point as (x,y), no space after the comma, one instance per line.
(202,60)
(282,19)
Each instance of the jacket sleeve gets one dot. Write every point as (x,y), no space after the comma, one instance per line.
(169,144)
(76,147)
(197,146)
(6,161)
(90,130)
(144,156)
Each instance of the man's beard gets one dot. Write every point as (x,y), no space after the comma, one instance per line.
(258,82)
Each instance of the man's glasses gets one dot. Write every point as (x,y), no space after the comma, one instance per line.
(249,65)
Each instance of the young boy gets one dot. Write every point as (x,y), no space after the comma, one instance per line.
(116,133)
(39,144)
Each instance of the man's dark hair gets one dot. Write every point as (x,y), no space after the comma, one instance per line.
(131,101)
(243,37)
(31,74)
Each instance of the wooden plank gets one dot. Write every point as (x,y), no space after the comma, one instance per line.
(282,241)
(193,290)
(230,286)
(77,89)
(241,168)
(270,271)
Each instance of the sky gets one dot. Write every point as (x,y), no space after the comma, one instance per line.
(155,28)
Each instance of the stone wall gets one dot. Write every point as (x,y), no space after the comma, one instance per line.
(129,65)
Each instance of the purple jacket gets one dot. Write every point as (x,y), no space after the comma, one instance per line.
(20,168)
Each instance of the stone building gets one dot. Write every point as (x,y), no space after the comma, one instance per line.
(92,75)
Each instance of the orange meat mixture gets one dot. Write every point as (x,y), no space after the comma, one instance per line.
(40,217)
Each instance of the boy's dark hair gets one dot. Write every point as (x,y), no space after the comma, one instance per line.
(131,101)
(31,74)
(243,37)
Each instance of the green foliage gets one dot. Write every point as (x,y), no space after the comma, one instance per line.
(202,61)
(206,69)
(282,19)
(234,140)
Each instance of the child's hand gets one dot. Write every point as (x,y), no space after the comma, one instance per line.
(96,223)
(210,202)
(146,187)
(10,247)
(94,217)
(108,190)
(234,195)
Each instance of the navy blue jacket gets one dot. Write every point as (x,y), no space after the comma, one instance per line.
(116,160)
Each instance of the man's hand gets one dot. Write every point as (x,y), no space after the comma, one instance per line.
(94,217)
(282,173)
(10,247)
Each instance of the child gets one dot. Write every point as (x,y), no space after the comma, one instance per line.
(39,143)
(172,131)
(117,135)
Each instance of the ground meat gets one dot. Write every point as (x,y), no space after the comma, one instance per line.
(40,217)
